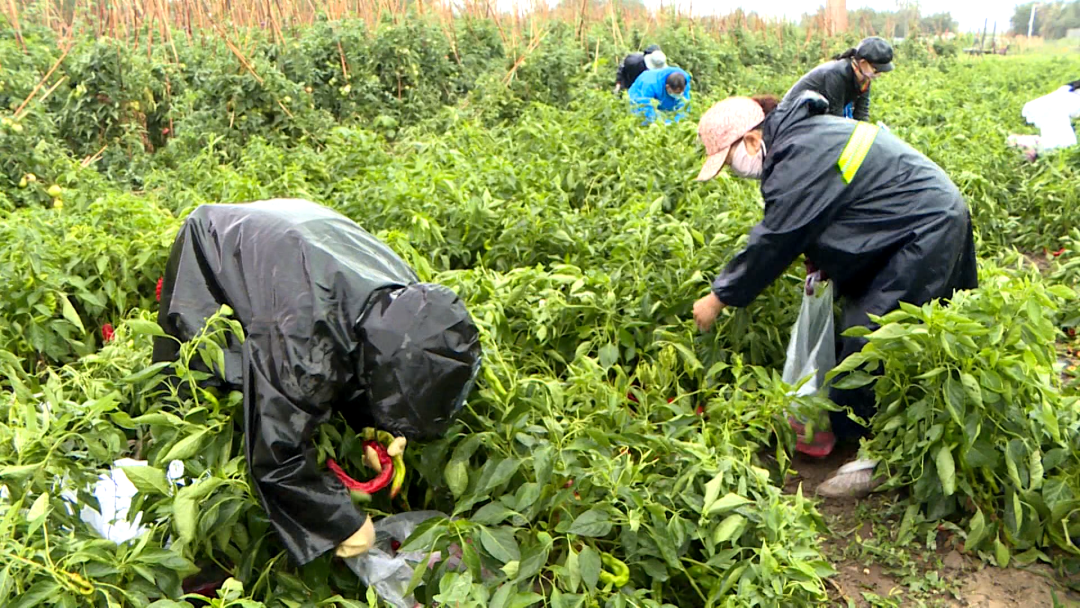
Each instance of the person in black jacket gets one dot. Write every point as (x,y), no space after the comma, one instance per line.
(845,81)
(632,66)
(880,219)
(333,320)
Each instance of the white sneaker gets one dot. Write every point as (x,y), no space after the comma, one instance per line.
(853,480)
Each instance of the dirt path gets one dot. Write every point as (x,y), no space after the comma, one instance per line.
(878,574)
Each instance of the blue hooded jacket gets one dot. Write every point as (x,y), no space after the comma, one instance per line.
(652,85)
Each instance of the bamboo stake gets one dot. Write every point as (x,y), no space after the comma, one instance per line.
(41,82)
(15,22)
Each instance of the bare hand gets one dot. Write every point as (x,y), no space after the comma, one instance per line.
(706,310)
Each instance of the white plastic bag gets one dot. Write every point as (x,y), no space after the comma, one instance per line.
(389,571)
(812,349)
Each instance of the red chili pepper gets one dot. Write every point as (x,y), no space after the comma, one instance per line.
(395,545)
(631,397)
(700,411)
(160,281)
(1059,252)
(107,332)
(670,399)
(374,485)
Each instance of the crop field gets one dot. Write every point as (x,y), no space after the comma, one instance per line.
(495,159)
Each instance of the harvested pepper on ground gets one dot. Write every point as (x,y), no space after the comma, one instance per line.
(617,573)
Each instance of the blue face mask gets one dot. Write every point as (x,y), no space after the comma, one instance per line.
(673,93)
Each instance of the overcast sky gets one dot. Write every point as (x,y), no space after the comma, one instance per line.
(969,13)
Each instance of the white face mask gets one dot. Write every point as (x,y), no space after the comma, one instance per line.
(744,165)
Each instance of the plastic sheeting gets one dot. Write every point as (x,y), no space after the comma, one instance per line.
(387,570)
(334,321)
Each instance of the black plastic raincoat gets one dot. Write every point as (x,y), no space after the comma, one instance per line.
(632,66)
(835,80)
(900,231)
(334,320)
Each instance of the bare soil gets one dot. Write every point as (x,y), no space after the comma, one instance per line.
(942,576)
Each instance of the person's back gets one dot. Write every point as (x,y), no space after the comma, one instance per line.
(633,66)
(896,195)
(834,80)
(892,207)
(845,81)
(333,320)
(661,86)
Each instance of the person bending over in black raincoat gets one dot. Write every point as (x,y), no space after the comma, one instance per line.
(632,66)
(880,219)
(334,320)
(845,81)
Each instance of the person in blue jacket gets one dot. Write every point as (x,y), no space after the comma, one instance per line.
(669,87)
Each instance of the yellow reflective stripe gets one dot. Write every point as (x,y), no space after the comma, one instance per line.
(858,146)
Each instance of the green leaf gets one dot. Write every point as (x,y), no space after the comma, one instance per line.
(855,379)
(589,561)
(145,328)
(146,373)
(456,474)
(712,491)
(729,529)
(609,355)
(974,391)
(502,474)
(594,523)
(1035,468)
(36,594)
(185,506)
(147,479)
(491,514)
(500,544)
(573,567)
(70,314)
(39,509)
(185,448)
(976,532)
(18,471)
(501,599)
(954,400)
(1054,458)
(946,470)
(1001,553)
(727,503)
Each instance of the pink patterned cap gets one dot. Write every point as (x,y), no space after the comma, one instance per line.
(724,124)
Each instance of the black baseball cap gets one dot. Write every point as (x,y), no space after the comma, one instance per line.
(877,52)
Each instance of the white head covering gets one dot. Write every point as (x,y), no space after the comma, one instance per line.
(656,60)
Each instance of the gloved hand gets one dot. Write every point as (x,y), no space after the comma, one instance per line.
(359,543)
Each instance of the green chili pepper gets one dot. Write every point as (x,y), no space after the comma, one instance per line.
(619,574)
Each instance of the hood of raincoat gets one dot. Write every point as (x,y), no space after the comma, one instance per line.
(421,355)
(334,322)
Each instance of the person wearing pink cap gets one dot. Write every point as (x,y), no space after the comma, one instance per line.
(880,219)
